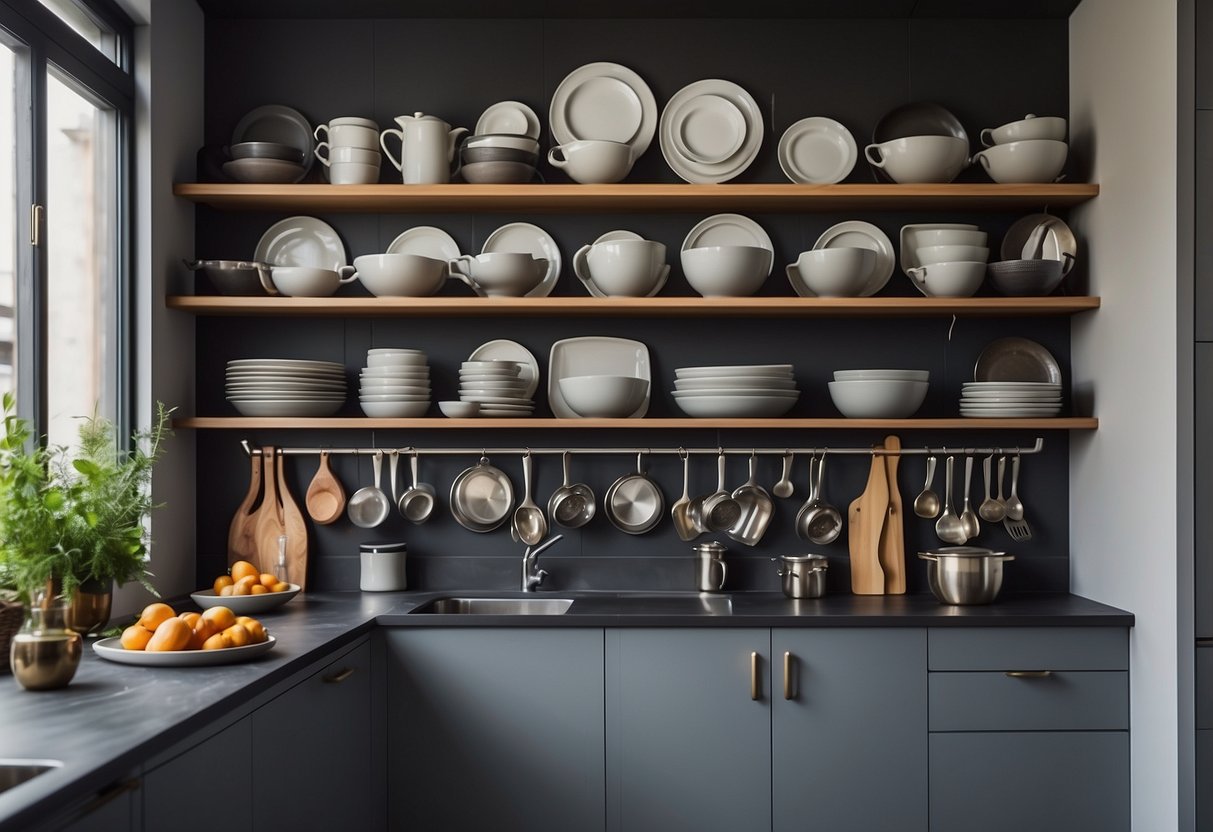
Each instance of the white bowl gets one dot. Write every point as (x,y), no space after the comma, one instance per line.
(459,410)
(881,375)
(727,382)
(1028,127)
(395,410)
(486,384)
(735,407)
(306,281)
(952,254)
(399,390)
(835,272)
(513,367)
(737,391)
(956,279)
(878,398)
(924,237)
(394,381)
(395,351)
(400,275)
(914,159)
(754,370)
(726,271)
(603,397)
(405,360)
(500,273)
(1032,160)
(244,604)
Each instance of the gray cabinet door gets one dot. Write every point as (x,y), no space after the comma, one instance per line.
(312,752)
(687,746)
(495,729)
(849,747)
(175,794)
(1058,781)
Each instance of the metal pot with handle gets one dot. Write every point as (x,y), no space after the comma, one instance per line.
(803,576)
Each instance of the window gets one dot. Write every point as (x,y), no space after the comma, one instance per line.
(66,104)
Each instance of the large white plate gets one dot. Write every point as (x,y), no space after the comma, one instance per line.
(1016,360)
(509,118)
(111,649)
(301,241)
(426,241)
(278,409)
(528,239)
(244,604)
(697,172)
(736,407)
(505,350)
(285,386)
(604,101)
(817,151)
(280,124)
(708,129)
(857,234)
(596,356)
(727,230)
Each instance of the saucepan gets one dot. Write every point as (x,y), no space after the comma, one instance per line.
(963,575)
(634,503)
(804,576)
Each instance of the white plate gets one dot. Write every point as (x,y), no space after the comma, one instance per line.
(426,241)
(727,230)
(301,241)
(1011,385)
(511,118)
(1008,414)
(279,396)
(284,386)
(604,101)
(909,243)
(301,364)
(528,239)
(505,402)
(772,370)
(244,604)
(857,234)
(316,382)
(265,171)
(978,398)
(697,172)
(111,649)
(759,392)
(736,407)
(596,356)
(276,409)
(1002,409)
(504,350)
(719,382)
(279,124)
(708,129)
(817,151)
(1016,359)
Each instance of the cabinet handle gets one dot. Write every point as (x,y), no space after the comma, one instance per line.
(1029,674)
(340,676)
(108,796)
(36,212)
(787,676)
(755,683)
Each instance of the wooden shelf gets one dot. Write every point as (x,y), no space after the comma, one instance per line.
(439,423)
(784,197)
(760,307)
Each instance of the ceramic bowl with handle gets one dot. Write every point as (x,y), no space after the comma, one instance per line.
(1028,127)
(835,272)
(310,282)
(920,159)
(500,273)
(957,279)
(623,268)
(400,274)
(1031,160)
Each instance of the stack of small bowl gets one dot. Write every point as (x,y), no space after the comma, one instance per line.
(1010,399)
(945,261)
(879,394)
(1030,150)
(395,384)
(268,163)
(741,391)
(498,159)
(285,387)
(497,387)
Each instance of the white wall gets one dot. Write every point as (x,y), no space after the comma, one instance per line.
(1123,535)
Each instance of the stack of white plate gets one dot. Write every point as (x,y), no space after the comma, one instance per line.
(395,384)
(498,386)
(739,391)
(1010,399)
(285,387)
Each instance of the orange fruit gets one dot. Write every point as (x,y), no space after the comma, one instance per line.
(172,634)
(280,587)
(268,580)
(240,589)
(221,582)
(256,629)
(190,618)
(237,636)
(249,581)
(257,589)
(135,637)
(203,630)
(215,642)
(228,591)
(221,617)
(155,614)
(244,569)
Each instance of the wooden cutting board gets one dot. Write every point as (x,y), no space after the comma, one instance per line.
(269,523)
(892,537)
(865,520)
(242,533)
(296,531)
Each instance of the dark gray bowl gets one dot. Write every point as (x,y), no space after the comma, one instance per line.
(497,173)
(474,155)
(1024,278)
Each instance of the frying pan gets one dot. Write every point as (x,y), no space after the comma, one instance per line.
(634,503)
(481,497)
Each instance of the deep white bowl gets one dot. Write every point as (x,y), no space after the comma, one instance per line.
(459,410)
(603,397)
(900,375)
(398,360)
(726,271)
(835,272)
(729,382)
(878,398)
(400,275)
(956,279)
(737,407)
(1031,160)
(929,255)
(395,410)
(395,391)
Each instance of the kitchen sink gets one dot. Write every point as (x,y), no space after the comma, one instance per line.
(495,606)
(15,772)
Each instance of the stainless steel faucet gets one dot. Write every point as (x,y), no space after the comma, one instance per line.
(532,575)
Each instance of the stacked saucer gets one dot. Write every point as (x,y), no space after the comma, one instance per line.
(740,391)
(285,387)
(498,386)
(395,384)
(1010,399)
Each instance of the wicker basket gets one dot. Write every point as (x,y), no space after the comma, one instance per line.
(11,616)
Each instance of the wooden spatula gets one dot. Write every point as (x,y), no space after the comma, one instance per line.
(269,524)
(325,498)
(892,537)
(242,533)
(295,529)
(866,516)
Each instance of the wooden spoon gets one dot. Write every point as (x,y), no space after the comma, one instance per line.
(325,498)
(242,533)
(295,529)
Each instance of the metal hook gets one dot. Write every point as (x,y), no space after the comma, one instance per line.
(682,453)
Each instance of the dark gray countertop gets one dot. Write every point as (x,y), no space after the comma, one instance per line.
(113,717)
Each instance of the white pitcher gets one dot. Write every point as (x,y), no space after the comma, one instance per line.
(427,148)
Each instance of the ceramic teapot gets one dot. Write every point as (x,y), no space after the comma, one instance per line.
(427,148)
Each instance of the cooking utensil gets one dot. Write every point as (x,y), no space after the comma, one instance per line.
(804,576)
(417,503)
(529,522)
(1014,523)
(369,506)
(393,457)
(926,504)
(325,498)
(784,487)
(757,509)
(294,526)
(720,510)
(818,521)
(268,522)
(892,549)
(965,574)
(709,556)
(242,533)
(634,503)
(949,527)
(481,497)
(681,512)
(967,516)
(810,502)
(572,506)
(866,518)
(991,510)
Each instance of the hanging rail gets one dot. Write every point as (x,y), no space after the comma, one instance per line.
(473,450)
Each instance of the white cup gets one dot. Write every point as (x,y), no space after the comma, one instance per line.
(353,173)
(623,268)
(920,159)
(500,273)
(593,162)
(1027,161)
(956,279)
(1028,127)
(309,282)
(335,153)
(350,132)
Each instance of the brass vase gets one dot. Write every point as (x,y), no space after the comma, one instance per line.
(89,610)
(45,654)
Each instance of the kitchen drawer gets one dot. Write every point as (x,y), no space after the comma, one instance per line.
(1204,687)
(1204,781)
(1057,781)
(1028,648)
(1062,701)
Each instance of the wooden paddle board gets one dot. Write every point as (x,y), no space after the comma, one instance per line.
(269,523)
(296,531)
(892,537)
(242,533)
(866,517)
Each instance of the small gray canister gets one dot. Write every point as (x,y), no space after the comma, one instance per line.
(383,567)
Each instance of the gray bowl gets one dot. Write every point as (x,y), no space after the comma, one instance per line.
(266,150)
(237,278)
(497,173)
(1024,278)
(473,155)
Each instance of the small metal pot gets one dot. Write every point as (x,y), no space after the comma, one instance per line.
(804,576)
(964,575)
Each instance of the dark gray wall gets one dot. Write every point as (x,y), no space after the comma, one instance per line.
(987,72)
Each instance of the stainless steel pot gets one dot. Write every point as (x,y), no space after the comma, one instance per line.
(235,277)
(963,575)
(709,559)
(804,576)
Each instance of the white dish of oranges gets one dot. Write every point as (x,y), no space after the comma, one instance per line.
(246,591)
(160,638)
